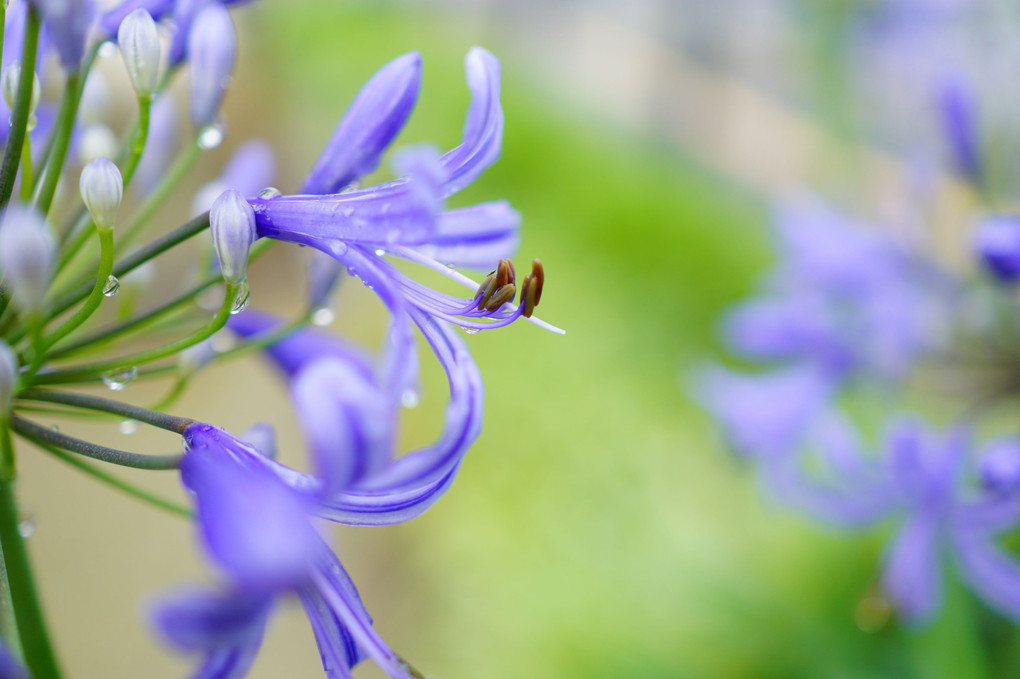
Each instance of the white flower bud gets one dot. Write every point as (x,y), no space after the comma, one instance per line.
(8,376)
(232,223)
(212,48)
(27,250)
(10,78)
(102,190)
(139,45)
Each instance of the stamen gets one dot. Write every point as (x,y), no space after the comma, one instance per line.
(485,290)
(503,295)
(531,289)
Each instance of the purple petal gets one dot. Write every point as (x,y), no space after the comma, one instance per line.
(196,619)
(346,419)
(68,23)
(997,241)
(476,237)
(338,593)
(372,121)
(109,23)
(990,571)
(10,667)
(849,505)
(226,628)
(912,578)
(959,119)
(336,646)
(253,525)
(763,416)
(482,138)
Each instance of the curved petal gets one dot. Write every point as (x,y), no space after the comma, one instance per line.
(912,578)
(336,646)
(990,571)
(109,23)
(253,525)
(226,628)
(476,237)
(337,592)
(377,114)
(346,419)
(482,138)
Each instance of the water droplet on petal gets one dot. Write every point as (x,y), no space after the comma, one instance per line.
(242,299)
(323,316)
(270,192)
(108,49)
(410,398)
(26,528)
(116,380)
(452,267)
(471,331)
(210,137)
(112,286)
(128,427)
(379,252)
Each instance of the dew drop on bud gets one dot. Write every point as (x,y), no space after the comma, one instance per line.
(116,380)
(128,427)
(26,528)
(323,316)
(242,299)
(108,49)
(210,137)
(410,398)
(270,192)
(112,286)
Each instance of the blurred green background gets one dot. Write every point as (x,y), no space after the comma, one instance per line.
(598,528)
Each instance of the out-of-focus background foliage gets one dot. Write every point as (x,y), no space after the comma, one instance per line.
(598,529)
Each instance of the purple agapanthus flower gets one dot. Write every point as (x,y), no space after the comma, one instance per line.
(924,480)
(259,533)
(67,23)
(405,217)
(842,295)
(251,168)
(183,13)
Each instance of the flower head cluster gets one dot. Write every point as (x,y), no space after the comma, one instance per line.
(848,312)
(256,518)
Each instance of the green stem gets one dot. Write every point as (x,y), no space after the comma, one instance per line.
(86,68)
(19,116)
(62,137)
(95,298)
(149,317)
(40,434)
(136,259)
(159,195)
(115,482)
(141,136)
(155,354)
(35,640)
(105,405)
(26,170)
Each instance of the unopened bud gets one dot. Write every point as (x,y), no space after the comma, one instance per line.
(26,257)
(139,45)
(232,222)
(8,376)
(10,78)
(262,437)
(102,190)
(212,48)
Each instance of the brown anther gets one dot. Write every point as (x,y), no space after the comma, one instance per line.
(528,296)
(538,274)
(505,273)
(502,296)
(487,288)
